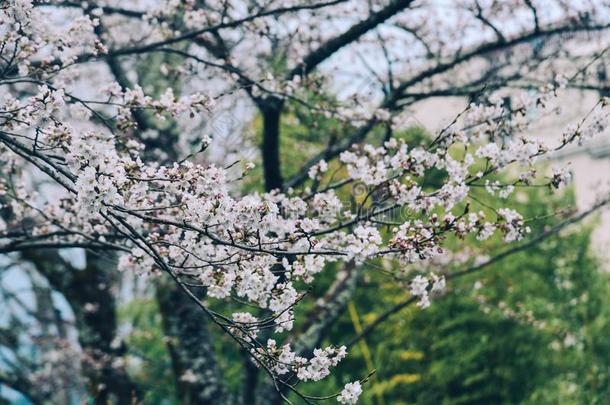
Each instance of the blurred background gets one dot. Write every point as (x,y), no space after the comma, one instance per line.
(532,328)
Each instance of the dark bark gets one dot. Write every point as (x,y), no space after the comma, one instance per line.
(250,380)
(191,348)
(97,328)
(88,292)
(271,110)
(96,323)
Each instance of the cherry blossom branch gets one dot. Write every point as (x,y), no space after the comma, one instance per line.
(494,259)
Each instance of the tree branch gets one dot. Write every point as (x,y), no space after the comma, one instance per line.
(499,257)
(356,31)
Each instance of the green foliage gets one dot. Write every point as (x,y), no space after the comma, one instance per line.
(530,329)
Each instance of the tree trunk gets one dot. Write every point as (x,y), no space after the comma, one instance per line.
(198,379)
(271,109)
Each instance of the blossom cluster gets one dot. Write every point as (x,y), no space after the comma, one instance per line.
(183,219)
(283,360)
